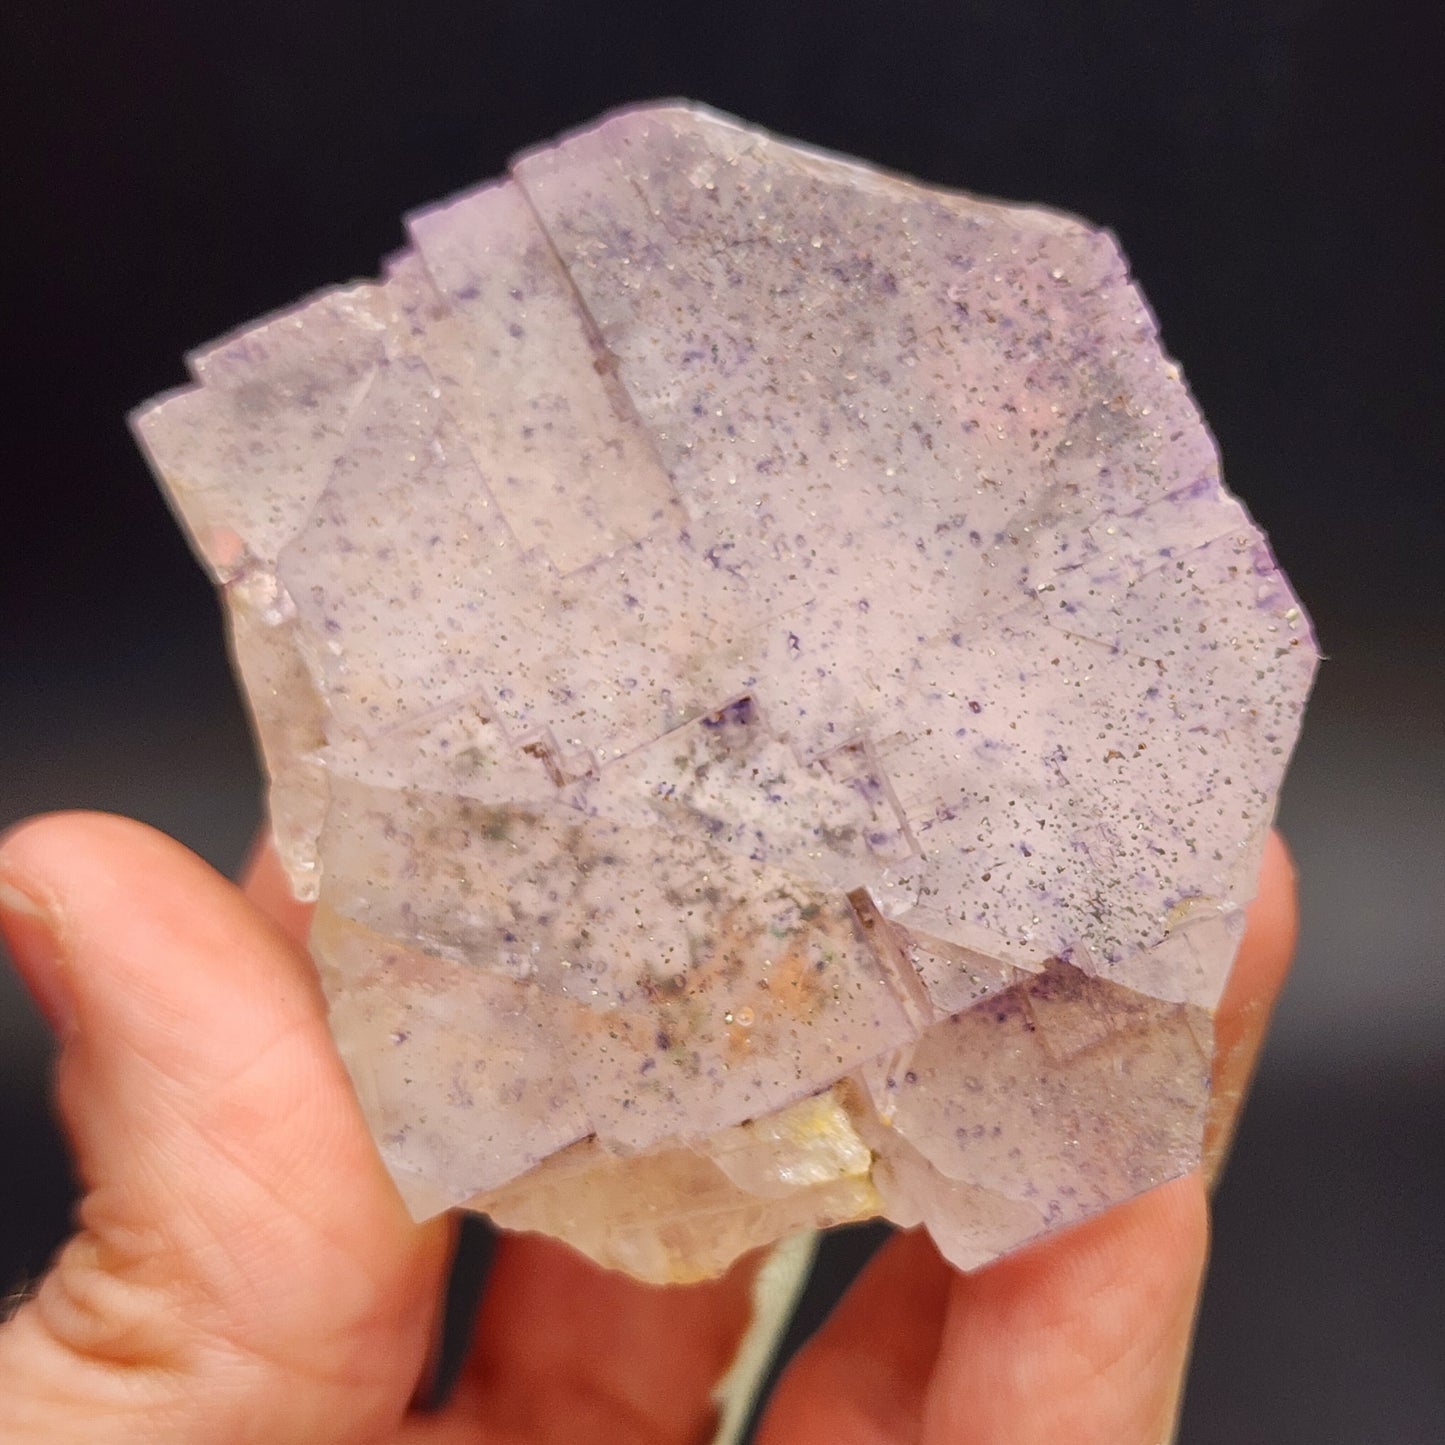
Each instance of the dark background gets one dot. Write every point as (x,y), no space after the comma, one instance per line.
(1275,169)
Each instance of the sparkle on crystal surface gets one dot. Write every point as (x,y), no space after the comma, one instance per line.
(760,674)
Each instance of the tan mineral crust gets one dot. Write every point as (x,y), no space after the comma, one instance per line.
(760,675)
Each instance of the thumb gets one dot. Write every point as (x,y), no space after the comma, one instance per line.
(242,1269)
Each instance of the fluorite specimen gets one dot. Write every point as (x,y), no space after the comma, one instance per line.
(760,674)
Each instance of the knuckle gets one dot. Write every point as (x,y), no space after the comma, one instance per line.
(108,1305)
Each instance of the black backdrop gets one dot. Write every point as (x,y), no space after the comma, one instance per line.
(1275,169)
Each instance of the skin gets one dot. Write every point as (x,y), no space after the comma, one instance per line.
(243,1271)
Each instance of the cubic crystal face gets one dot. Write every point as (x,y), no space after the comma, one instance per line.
(759,672)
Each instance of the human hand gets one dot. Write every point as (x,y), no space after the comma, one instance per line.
(243,1270)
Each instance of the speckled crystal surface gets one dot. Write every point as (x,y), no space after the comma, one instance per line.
(759,672)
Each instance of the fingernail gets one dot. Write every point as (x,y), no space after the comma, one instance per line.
(30,934)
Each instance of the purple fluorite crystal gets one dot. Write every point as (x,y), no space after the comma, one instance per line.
(758,669)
